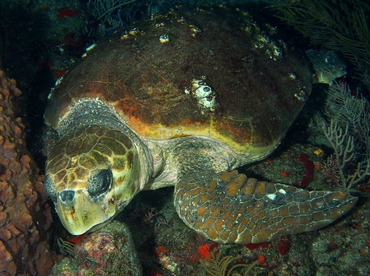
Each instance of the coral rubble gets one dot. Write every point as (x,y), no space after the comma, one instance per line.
(24,213)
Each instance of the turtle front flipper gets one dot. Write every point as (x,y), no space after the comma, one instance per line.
(232,208)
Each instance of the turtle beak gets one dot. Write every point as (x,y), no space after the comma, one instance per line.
(78,212)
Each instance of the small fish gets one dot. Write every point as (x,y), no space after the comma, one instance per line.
(66,12)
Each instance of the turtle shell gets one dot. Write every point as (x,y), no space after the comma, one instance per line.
(210,72)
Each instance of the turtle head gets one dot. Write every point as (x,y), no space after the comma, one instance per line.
(91,175)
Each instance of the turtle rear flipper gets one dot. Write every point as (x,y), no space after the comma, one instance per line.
(232,208)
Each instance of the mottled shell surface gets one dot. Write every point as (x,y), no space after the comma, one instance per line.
(207,72)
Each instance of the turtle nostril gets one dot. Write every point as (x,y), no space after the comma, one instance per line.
(67,196)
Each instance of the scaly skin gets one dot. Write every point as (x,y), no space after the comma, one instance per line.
(227,207)
(237,209)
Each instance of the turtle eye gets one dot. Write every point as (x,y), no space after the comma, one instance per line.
(50,189)
(99,182)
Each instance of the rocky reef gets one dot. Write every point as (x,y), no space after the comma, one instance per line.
(25,216)
(109,251)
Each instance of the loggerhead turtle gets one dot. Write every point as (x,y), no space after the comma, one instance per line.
(183,99)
